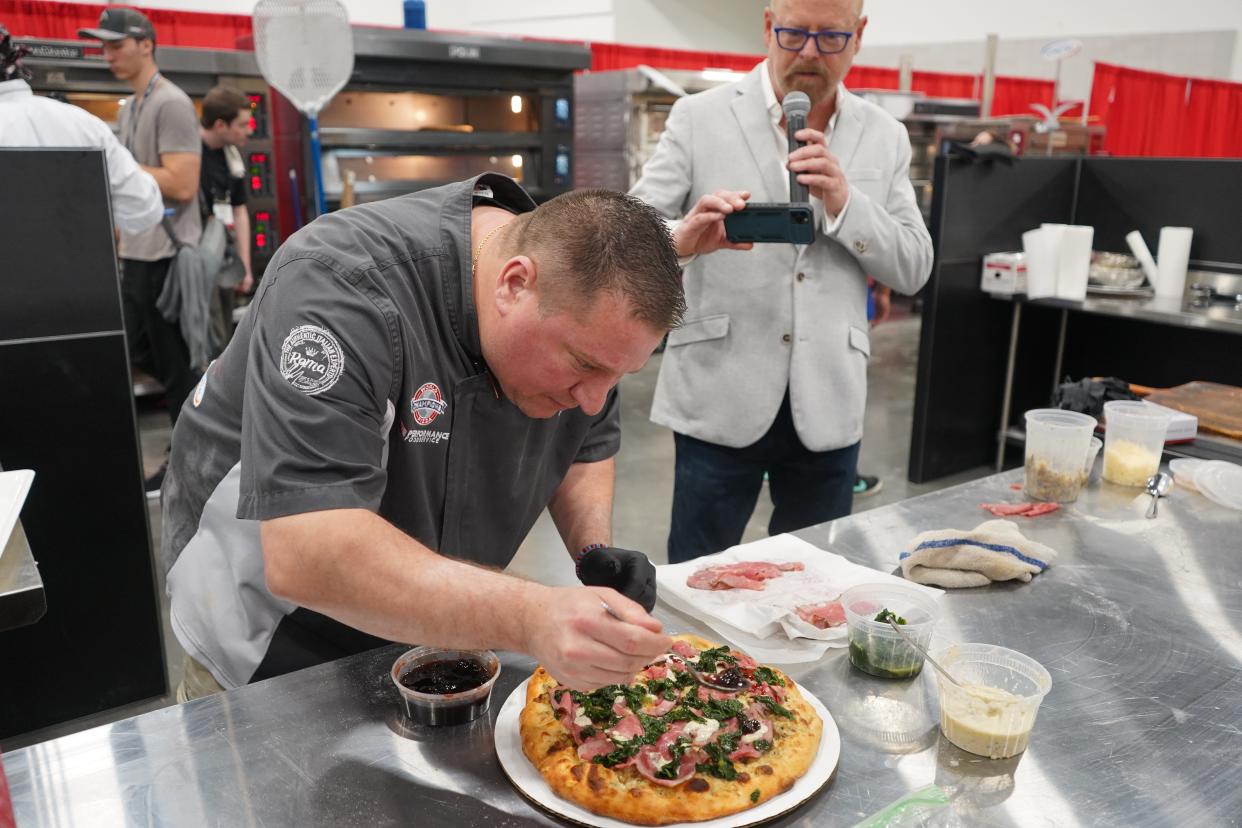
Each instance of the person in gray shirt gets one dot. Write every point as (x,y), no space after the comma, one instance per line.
(159,126)
(416,380)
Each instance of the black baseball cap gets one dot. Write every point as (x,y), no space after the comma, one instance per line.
(118,23)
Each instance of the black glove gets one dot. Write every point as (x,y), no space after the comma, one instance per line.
(626,571)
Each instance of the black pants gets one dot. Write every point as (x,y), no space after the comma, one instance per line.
(716,487)
(155,344)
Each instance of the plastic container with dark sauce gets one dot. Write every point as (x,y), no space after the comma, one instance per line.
(442,687)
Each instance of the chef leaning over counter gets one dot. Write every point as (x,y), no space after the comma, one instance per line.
(416,380)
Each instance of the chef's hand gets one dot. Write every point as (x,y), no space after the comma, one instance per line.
(626,571)
(820,171)
(702,231)
(583,646)
(246,284)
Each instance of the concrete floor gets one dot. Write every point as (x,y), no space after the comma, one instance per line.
(644,486)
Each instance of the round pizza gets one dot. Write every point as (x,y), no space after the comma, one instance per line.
(664,748)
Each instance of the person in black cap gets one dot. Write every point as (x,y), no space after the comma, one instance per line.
(29,120)
(159,126)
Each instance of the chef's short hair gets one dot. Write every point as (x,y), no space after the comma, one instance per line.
(591,242)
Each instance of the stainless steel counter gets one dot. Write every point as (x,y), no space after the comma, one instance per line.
(22,600)
(1139,622)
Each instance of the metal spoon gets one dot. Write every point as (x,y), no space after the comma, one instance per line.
(1158,486)
(702,678)
(926,654)
(707,681)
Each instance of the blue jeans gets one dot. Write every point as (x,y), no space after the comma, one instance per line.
(716,487)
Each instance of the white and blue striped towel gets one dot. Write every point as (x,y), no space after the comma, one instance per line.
(992,551)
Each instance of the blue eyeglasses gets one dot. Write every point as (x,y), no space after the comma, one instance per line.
(826,41)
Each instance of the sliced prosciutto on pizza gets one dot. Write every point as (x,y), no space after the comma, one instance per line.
(664,749)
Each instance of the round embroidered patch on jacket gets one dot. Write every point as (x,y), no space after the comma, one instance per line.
(311,359)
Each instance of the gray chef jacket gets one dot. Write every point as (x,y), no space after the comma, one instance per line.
(356,380)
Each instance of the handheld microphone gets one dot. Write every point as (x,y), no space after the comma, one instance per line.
(796,106)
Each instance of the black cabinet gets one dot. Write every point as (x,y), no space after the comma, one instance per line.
(67,412)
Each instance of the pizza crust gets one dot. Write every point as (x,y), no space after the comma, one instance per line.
(625,795)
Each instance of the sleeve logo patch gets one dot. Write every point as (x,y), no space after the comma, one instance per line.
(311,359)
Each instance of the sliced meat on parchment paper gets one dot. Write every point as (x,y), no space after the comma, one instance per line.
(823,616)
(742,575)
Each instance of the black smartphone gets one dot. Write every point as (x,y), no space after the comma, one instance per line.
(772,223)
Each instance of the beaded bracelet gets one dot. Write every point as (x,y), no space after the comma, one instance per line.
(581,554)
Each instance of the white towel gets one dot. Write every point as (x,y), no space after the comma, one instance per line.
(992,551)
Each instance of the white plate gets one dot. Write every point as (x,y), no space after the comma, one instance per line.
(530,783)
(14,485)
(1221,483)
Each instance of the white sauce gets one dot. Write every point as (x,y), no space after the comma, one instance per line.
(660,762)
(987,721)
(761,733)
(702,732)
(583,720)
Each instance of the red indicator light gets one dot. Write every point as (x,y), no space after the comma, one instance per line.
(260,240)
(253,123)
(262,215)
(258,158)
(256,183)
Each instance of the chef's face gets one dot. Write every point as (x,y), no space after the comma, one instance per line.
(128,57)
(548,362)
(807,70)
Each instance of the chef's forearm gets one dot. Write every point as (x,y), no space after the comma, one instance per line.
(354,566)
(582,505)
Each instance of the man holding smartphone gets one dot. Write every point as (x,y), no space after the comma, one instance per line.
(769,372)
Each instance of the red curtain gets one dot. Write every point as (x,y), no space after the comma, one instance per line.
(872,77)
(605,56)
(38,18)
(944,85)
(1155,114)
(1014,96)
(1213,123)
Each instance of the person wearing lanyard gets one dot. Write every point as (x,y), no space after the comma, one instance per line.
(225,128)
(769,372)
(29,120)
(159,126)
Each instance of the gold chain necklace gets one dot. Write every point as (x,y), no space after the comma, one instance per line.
(474,265)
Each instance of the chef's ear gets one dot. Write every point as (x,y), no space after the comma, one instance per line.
(515,283)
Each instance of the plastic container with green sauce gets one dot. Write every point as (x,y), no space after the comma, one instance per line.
(875,648)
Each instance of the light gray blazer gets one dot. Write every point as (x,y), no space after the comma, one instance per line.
(780,315)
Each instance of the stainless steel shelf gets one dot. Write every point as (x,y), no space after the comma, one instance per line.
(1178,312)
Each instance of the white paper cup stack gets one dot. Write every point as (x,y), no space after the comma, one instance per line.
(1172,261)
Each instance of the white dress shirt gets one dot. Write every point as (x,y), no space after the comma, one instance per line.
(826,223)
(29,120)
